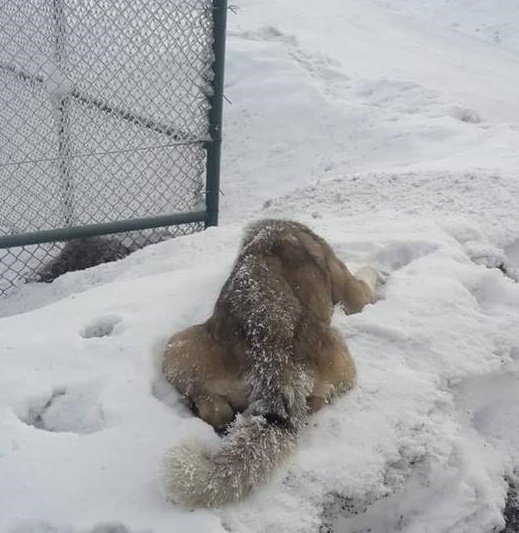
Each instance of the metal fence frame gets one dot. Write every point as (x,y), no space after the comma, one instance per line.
(212,147)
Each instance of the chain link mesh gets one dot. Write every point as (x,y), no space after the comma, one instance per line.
(103,117)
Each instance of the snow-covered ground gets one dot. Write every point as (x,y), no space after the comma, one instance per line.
(391,127)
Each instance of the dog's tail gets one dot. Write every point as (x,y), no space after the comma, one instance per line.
(248,455)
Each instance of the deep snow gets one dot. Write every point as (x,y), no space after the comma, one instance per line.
(394,135)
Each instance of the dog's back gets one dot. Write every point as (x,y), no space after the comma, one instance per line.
(279,288)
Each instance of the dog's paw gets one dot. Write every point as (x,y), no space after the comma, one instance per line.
(375,278)
(368,275)
(378,291)
(383,276)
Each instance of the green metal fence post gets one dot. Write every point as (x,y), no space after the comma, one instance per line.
(214,146)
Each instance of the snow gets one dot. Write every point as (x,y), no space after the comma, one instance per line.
(391,128)
(473,17)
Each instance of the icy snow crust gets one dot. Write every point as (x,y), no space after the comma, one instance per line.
(394,137)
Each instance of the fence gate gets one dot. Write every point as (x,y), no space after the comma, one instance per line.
(110,114)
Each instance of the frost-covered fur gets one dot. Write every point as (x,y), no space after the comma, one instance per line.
(248,455)
(268,352)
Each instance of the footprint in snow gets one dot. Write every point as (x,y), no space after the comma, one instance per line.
(100,327)
(75,410)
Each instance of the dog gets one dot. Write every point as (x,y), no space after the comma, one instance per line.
(263,362)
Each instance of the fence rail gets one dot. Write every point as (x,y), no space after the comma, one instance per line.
(110,124)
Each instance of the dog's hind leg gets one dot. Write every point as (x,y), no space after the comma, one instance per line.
(206,373)
(334,373)
(213,409)
(317,400)
(218,400)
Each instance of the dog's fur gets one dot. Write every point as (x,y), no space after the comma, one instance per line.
(269,352)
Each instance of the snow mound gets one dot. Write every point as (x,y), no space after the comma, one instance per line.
(427,436)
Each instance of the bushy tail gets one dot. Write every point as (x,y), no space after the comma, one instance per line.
(250,452)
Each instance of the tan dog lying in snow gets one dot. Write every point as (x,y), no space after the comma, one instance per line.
(268,352)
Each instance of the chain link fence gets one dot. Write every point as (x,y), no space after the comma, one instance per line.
(109,121)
